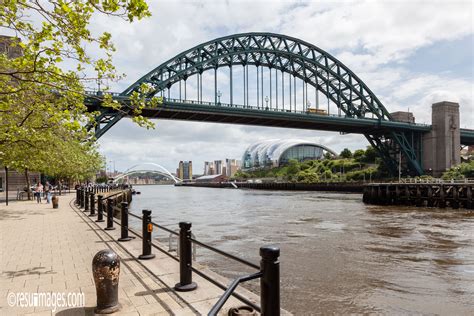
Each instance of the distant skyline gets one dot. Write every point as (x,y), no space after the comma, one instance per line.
(410,54)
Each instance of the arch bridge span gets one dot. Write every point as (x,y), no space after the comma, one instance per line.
(270,79)
(147,168)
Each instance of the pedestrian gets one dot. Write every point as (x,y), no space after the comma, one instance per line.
(47,190)
(38,192)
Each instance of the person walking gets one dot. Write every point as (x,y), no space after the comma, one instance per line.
(38,192)
(47,192)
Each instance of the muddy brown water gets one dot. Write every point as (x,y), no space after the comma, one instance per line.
(338,256)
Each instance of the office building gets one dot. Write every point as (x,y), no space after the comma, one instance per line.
(185,170)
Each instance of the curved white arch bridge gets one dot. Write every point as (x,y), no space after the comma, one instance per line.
(147,167)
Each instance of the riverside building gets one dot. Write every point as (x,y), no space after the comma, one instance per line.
(278,152)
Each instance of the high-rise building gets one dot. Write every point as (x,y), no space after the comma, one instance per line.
(231,167)
(218,166)
(185,170)
(208,168)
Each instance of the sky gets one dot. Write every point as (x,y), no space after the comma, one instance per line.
(411,54)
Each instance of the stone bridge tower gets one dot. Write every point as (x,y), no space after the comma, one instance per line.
(441,146)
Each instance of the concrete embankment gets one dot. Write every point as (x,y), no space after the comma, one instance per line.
(326,186)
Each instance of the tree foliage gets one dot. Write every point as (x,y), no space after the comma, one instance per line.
(312,171)
(459,172)
(44,68)
(345,153)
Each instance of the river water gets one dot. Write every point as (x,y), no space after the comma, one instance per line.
(338,256)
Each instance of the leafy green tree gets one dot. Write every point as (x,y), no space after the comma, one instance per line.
(359,155)
(461,171)
(345,153)
(328,156)
(371,154)
(41,102)
(293,167)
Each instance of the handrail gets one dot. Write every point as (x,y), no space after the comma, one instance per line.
(136,216)
(165,229)
(217,307)
(268,270)
(225,254)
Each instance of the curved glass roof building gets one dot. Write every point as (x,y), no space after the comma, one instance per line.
(277,152)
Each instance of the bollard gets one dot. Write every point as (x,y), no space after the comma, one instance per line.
(86,201)
(124,222)
(55,201)
(110,216)
(270,280)
(84,197)
(81,197)
(92,204)
(147,228)
(242,311)
(77,197)
(185,259)
(100,208)
(106,271)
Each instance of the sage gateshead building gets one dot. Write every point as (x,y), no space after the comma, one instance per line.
(278,152)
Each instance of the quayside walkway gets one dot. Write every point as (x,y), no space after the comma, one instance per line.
(50,250)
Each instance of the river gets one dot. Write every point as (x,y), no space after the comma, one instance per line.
(338,256)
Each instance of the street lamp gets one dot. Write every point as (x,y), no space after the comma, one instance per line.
(219,95)
(399,166)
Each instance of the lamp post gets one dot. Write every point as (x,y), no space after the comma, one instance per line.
(399,166)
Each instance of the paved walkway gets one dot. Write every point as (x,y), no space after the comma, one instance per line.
(50,250)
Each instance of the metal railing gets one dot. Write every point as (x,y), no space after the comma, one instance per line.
(268,270)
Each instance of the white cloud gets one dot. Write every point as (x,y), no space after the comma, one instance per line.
(373,38)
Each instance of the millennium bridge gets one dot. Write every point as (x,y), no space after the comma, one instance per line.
(289,83)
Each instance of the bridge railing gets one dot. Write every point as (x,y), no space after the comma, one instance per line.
(274,108)
(268,271)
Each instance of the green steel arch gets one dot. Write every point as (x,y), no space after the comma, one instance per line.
(290,55)
(300,59)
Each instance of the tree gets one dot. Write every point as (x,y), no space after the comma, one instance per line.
(371,154)
(38,96)
(359,155)
(345,153)
(328,156)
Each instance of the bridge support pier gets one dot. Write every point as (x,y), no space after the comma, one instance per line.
(441,146)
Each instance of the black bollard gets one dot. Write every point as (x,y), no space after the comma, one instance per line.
(100,208)
(270,280)
(106,271)
(77,197)
(80,198)
(92,204)
(124,222)
(185,259)
(86,201)
(110,216)
(147,228)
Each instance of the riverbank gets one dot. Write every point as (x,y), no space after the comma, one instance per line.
(50,250)
(286,186)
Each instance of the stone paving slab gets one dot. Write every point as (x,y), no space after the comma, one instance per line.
(50,250)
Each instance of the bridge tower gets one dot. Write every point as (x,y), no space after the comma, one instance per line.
(441,146)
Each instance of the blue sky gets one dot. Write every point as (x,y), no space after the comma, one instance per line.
(410,53)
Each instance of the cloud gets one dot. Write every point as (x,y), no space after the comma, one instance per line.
(375,39)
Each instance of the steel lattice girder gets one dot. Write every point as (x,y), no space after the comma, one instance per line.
(296,57)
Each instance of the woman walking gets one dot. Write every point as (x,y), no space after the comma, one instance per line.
(38,192)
